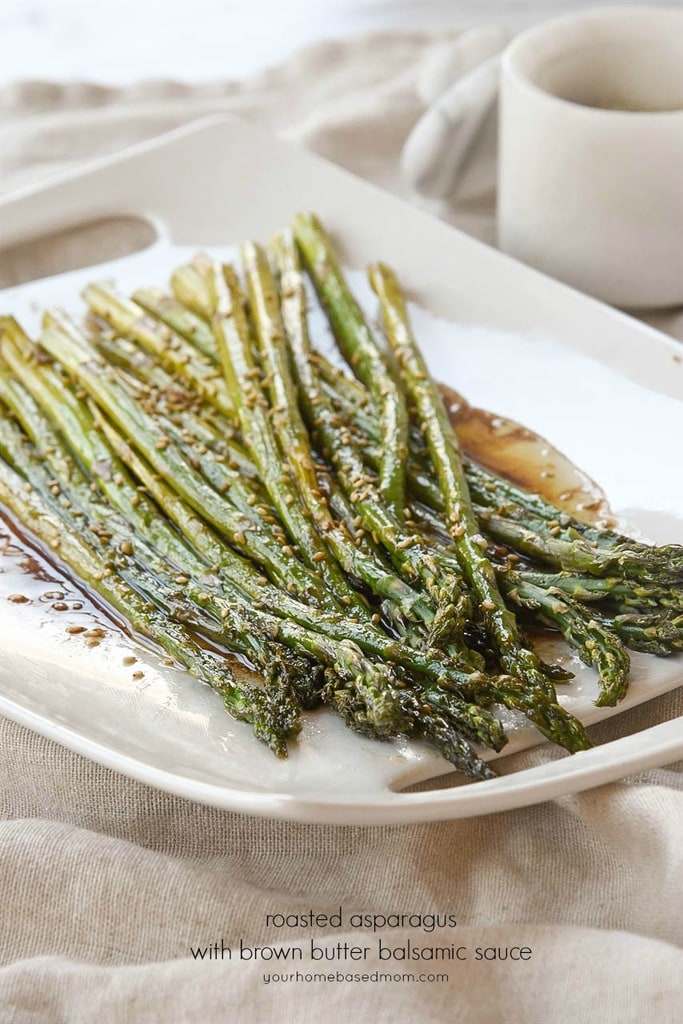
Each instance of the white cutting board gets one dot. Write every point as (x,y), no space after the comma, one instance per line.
(602,387)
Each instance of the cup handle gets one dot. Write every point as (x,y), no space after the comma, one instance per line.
(456,58)
(435,151)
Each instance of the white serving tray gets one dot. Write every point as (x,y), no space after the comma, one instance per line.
(602,387)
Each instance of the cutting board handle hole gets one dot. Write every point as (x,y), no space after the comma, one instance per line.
(75,247)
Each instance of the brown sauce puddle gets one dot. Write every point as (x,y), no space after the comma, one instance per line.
(527,459)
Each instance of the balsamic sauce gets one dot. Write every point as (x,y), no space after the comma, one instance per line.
(527,459)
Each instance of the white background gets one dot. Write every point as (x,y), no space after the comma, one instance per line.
(122,40)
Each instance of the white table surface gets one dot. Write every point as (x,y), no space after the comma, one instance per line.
(122,40)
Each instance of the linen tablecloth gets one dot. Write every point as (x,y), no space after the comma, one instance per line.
(108,886)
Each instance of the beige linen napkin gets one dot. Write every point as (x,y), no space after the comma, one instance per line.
(109,885)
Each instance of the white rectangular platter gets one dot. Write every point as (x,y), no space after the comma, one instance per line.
(603,388)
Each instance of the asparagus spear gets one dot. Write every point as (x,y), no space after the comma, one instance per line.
(633,557)
(659,633)
(411,557)
(562,725)
(621,595)
(626,595)
(431,667)
(191,288)
(206,438)
(595,644)
(179,318)
(80,427)
(369,639)
(243,530)
(131,320)
(126,355)
(573,555)
(357,344)
(357,556)
(244,380)
(368,695)
(442,717)
(469,545)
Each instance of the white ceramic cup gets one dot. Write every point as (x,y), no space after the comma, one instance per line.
(591,153)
